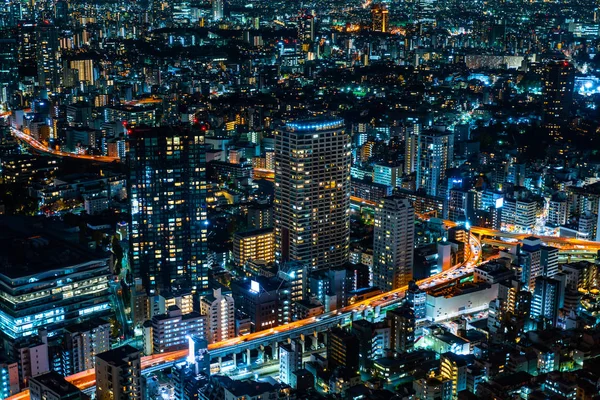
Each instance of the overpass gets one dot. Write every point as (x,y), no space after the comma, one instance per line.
(85,380)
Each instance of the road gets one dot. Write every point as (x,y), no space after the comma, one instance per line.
(22,136)
(86,379)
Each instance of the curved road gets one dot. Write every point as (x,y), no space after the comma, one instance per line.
(87,379)
(22,136)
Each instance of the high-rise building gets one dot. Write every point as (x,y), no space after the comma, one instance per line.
(412,133)
(167,190)
(290,361)
(220,316)
(380,17)
(548,298)
(8,69)
(118,373)
(306,28)
(217,9)
(435,153)
(312,193)
(537,260)
(393,243)
(558,81)
(47,56)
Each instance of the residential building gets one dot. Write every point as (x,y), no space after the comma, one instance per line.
(393,243)
(219,310)
(118,373)
(168,208)
(312,193)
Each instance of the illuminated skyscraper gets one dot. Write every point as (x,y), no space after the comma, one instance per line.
(557,94)
(47,56)
(380,17)
(393,243)
(217,9)
(434,156)
(312,193)
(167,190)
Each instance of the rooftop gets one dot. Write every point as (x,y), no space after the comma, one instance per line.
(117,355)
(28,248)
(56,383)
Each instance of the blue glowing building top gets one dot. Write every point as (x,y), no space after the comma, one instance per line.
(312,125)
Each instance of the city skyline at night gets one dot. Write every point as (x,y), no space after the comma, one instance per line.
(326,199)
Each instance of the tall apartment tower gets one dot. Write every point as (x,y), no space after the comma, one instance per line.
(118,373)
(558,82)
(47,56)
(411,136)
(220,316)
(312,193)
(393,243)
(434,156)
(167,190)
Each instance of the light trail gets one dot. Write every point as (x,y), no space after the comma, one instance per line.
(87,379)
(45,149)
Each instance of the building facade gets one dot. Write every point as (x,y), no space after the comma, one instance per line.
(312,193)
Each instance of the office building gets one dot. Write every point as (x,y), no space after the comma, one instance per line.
(435,153)
(312,193)
(8,69)
(118,373)
(53,386)
(393,243)
(265,301)
(72,281)
(255,245)
(219,310)
(380,17)
(558,81)
(290,361)
(167,190)
(170,331)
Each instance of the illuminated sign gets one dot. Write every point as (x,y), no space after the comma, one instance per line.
(499,202)
(254,287)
